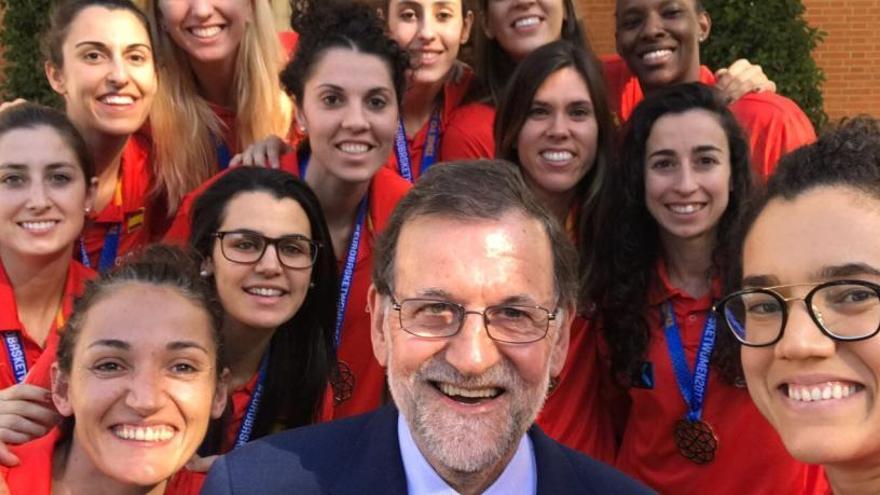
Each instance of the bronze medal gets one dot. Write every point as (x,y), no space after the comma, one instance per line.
(695,441)
(342,382)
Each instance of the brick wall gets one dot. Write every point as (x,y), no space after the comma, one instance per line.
(850,55)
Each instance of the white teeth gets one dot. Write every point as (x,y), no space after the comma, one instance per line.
(205,32)
(526,22)
(453,391)
(354,148)
(263,291)
(39,226)
(144,433)
(656,55)
(117,100)
(686,209)
(557,156)
(828,391)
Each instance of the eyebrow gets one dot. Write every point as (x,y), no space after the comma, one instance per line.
(177,345)
(696,149)
(98,44)
(827,272)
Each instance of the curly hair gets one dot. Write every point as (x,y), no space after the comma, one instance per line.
(847,155)
(326,24)
(624,252)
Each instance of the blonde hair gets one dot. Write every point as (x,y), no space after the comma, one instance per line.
(184,126)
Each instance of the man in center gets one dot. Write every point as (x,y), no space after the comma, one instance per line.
(473,293)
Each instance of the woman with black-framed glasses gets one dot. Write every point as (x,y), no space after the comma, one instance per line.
(265,245)
(808,306)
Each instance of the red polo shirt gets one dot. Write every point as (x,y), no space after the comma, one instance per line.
(356,348)
(33,475)
(469,134)
(578,412)
(774,124)
(126,208)
(453,92)
(39,359)
(750,457)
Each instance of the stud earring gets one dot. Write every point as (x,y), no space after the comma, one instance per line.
(311,285)
(204,273)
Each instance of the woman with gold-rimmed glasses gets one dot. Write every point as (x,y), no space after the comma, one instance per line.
(809,312)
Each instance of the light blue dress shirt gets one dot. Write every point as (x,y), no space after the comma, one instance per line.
(519,477)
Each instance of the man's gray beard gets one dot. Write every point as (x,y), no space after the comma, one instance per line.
(462,443)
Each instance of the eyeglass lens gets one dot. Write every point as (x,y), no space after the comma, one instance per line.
(244,247)
(509,323)
(848,311)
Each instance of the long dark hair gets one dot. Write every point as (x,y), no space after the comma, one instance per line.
(494,66)
(515,106)
(302,357)
(625,253)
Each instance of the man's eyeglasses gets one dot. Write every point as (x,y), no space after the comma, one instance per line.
(506,323)
(844,310)
(246,247)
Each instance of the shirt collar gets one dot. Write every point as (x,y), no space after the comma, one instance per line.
(421,479)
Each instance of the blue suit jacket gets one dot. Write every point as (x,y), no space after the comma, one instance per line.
(361,455)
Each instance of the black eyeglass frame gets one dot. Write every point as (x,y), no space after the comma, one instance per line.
(718,308)
(269,241)
(463,312)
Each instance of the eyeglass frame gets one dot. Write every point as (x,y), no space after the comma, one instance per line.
(269,241)
(718,308)
(397,305)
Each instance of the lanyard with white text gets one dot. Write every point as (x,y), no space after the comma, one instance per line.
(250,415)
(429,155)
(15,351)
(348,271)
(693,436)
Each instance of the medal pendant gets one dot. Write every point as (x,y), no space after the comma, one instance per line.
(695,441)
(342,382)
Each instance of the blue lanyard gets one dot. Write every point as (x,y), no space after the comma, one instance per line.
(348,271)
(350,259)
(692,386)
(108,252)
(429,155)
(223,154)
(15,350)
(250,415)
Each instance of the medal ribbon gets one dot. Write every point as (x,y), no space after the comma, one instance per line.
(15,351)
(348,271)
(111,240)
(692,385)
(429,155)
(250,415)
(350,260)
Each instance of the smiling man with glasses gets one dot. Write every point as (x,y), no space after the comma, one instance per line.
(473,293)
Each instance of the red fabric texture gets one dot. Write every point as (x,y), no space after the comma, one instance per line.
(39,359)
(648,452)
(469,134)
(453,93)
(774,124)
(33,475)
(136,177)
(578,412)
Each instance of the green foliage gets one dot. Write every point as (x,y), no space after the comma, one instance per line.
(774,34)
(23,24)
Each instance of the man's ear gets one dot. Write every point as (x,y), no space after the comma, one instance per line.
(377,311)
(559,352)
(61,391)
